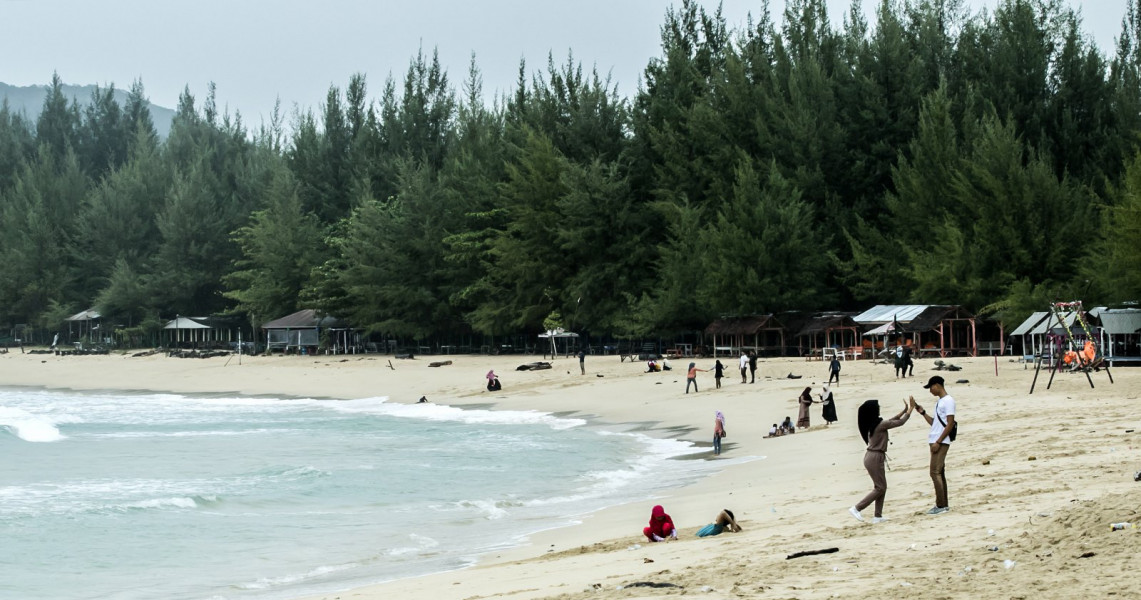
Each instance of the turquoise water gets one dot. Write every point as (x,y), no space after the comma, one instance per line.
(117,496)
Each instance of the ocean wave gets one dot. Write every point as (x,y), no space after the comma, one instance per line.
(181,434)
(422,543)
(158,503)
(439,412)
(285,580)
(29,427)
(491,510)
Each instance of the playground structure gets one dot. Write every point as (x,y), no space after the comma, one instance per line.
(1066,349)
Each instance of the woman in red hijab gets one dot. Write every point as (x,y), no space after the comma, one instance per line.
(661,526)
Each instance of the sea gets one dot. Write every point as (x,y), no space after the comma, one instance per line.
(119,495)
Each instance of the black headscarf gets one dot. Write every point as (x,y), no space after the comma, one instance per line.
(868,418)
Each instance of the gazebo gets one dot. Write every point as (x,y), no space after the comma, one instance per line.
(931,328)
(829,331)
(83,325)
(300,330)
(1031,343)
(1120,334)
(197,331)
(553,336)
(734,334)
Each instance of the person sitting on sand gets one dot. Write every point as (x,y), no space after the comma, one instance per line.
(493,384)
(725,520)
(776,431)
(652,366)
(661,526)
(787,427)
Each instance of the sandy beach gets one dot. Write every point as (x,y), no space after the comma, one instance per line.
(1039,477)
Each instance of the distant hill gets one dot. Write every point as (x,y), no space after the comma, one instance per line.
(30,100)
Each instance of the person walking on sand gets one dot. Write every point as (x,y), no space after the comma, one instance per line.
(661,526)
(582,360)
(718,432)
(834,370)
(874,431)
(691,377)
(805,402)
(908,363)
(942,433)
(744,366)
(752,366)
(829,411)
(718,373)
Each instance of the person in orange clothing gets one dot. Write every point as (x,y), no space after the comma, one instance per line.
(691,377)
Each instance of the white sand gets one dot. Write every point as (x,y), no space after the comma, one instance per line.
(1046,473)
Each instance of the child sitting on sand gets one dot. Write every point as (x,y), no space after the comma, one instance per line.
(725,520)
(661,526)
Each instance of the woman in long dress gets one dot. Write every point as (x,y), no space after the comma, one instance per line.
(805,402)
(829,407)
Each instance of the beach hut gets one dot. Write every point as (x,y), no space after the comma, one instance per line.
(301,331)
(830,330)
(1120,334)
(84,326)
(1031,345)
(930,328)
(199,332)
(760,333)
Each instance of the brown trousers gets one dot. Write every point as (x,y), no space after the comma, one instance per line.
(874,463)
(939,475)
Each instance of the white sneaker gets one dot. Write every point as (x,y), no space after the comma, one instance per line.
(878,519)
(856,513)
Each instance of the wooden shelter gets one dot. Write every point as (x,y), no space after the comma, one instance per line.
(1032,343)
(930,328)
(1120,334)
(761,333)
(835,330)
(201,331)
(84,326)
(301,332)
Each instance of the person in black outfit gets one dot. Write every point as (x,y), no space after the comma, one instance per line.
(753,366)
(718,373)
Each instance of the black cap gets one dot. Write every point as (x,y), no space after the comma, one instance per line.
(930,382)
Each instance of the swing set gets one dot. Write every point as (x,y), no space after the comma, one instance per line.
(1066,350)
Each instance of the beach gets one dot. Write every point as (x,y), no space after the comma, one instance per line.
(1034,480)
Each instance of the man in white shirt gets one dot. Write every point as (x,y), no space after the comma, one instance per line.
(939,439)
(744,366)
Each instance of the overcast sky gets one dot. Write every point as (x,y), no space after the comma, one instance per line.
(257,50)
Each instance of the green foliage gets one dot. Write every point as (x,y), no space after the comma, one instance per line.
(929,155)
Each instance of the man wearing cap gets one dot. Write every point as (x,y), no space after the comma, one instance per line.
(942,422)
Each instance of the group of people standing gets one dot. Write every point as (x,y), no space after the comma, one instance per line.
(874,430)
(826,399)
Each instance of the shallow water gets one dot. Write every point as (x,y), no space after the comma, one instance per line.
(116,495)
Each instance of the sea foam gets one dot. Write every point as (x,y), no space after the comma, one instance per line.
(29,427)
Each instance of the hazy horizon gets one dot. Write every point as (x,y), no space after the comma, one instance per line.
(257,52)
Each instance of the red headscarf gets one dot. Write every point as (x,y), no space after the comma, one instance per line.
(657,524)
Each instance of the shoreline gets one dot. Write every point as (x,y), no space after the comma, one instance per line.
(1065,453)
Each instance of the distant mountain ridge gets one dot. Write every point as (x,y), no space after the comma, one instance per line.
(30,101)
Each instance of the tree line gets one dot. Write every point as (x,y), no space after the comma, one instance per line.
(932,155)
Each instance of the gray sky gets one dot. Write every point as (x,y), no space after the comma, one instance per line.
(257,50)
